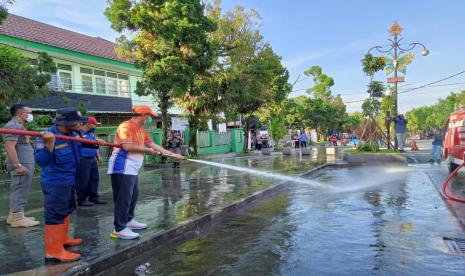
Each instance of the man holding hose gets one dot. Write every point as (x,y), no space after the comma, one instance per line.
(124,165)
(59,160)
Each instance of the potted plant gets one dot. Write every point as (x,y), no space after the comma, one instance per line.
(287,148)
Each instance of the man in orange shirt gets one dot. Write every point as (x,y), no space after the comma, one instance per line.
(124,165)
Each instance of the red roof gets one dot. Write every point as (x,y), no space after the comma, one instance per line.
(31,30)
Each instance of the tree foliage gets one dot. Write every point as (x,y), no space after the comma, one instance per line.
(320,110)
(4,10)
(247,73)
(372,64)
(322,83)
(169,42)
(426,119)
(19,80)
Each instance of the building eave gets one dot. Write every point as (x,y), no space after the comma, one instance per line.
(31,45)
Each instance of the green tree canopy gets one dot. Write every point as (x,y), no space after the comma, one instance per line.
(18,79)
(169,42)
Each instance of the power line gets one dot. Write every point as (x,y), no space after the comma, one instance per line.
(422,86)
(434,82)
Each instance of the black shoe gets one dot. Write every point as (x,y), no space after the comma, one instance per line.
(86,203)
(431,161)
(98,201)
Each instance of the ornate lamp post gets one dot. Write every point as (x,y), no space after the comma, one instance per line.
(398,62)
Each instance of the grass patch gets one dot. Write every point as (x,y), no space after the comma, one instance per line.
(382,151)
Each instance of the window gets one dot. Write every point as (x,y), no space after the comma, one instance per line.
(87,83)
(64,72)
(99,73)
(111,75)
(100,85)
(124,87)
(86,71)
(64,67)
(112,86)
(66,80)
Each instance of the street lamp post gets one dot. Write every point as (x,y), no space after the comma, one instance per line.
(395,49)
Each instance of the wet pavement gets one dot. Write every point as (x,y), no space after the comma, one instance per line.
(395,228)
(168,197)
(392,228)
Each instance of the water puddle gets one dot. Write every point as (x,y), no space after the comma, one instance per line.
(392,228)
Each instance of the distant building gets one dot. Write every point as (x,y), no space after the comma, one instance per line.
(89,70)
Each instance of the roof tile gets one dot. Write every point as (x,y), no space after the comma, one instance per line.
(31,30)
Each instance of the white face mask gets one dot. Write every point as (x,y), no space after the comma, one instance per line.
(29,118)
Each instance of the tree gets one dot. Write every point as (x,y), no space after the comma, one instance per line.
(169,43)
(352,121)
(371,65)
(259,84)
(203,99)
(272,113)
(323,83)
(250,73)
(235,43)
(19,80)
(4,10)
(325,111)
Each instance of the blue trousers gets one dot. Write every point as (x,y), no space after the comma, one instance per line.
(87,180)
(125,194)
(436,152)
(59,202)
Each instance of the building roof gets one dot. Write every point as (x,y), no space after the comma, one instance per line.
(31,30)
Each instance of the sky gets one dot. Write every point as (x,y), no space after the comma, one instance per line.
(332,34)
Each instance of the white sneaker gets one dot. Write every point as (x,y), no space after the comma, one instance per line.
(125,234)
(134,225)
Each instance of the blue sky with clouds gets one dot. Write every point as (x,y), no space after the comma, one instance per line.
(332,34)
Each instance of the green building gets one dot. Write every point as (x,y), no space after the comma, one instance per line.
(89,70)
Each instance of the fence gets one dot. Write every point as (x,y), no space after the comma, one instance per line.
(211,142)
(208,142)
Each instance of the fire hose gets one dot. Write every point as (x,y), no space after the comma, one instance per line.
(63,137)
(444,191)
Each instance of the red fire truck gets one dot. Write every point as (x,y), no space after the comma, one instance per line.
(454,140)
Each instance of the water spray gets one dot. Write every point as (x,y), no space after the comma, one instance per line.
(294,179)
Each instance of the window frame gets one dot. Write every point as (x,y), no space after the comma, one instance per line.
(116,88)
(82,83)
(71,72)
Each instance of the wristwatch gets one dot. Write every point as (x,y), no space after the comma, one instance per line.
(17,166)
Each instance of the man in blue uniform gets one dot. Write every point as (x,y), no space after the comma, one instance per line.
(88,176)
(59,160)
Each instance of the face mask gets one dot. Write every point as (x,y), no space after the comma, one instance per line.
(29,118)
(148,121)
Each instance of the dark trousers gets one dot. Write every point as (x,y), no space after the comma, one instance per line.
(87,180)
(259,146)
(297,143)
(303,144)
(125,194)
(59,202)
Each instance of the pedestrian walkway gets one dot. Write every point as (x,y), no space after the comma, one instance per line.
(168,197)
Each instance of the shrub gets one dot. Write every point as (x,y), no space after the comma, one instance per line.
(369,147)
